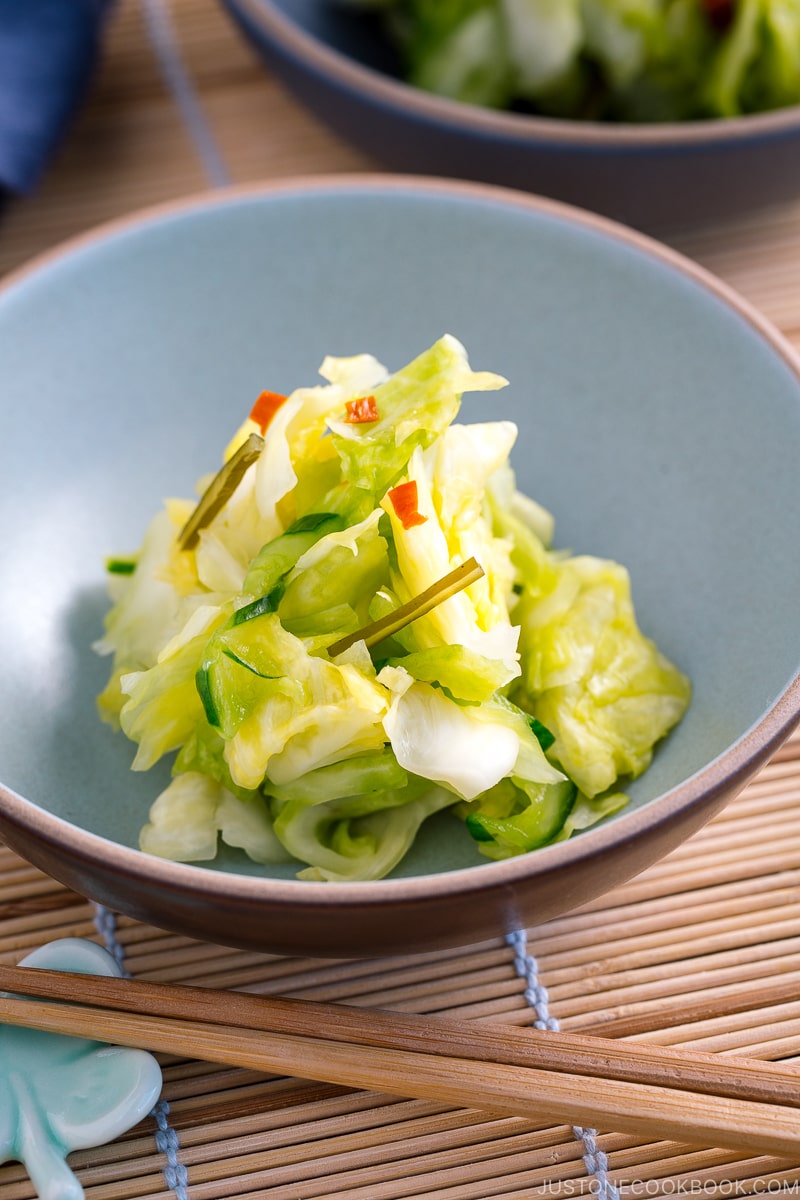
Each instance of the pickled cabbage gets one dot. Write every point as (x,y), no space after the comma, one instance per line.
(520,703)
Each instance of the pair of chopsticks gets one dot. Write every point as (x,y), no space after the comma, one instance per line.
(646,1090)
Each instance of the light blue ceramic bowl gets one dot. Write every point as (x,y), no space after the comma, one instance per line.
(659,420)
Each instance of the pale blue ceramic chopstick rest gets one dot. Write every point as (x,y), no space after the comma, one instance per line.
(59,1094)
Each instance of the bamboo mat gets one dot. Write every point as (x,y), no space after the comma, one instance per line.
(707,926)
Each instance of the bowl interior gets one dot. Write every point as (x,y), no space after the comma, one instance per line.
(657,422)
(355,33)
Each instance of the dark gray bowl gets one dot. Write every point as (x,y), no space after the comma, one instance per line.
(659,420)
(655,177)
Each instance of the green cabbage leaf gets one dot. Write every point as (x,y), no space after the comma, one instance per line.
(302,735)
(591,676)
(621,60)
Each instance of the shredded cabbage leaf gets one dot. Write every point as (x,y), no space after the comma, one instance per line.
(624,60)
(519,703)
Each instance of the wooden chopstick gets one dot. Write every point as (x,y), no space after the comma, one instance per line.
(544,1096)
(649,1091)
(480,1041)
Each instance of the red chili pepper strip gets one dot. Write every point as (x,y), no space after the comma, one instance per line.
(362,411)
(265,408)
(404,500)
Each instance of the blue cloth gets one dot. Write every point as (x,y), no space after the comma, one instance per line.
(48,49)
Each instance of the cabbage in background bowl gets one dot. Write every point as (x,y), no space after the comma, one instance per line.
(626,60)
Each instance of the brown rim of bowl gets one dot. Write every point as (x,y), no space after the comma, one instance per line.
(729,771)
(520,127)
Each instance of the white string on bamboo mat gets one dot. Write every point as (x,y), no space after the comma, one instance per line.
(537,997)
(166,1139)
(164,40)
